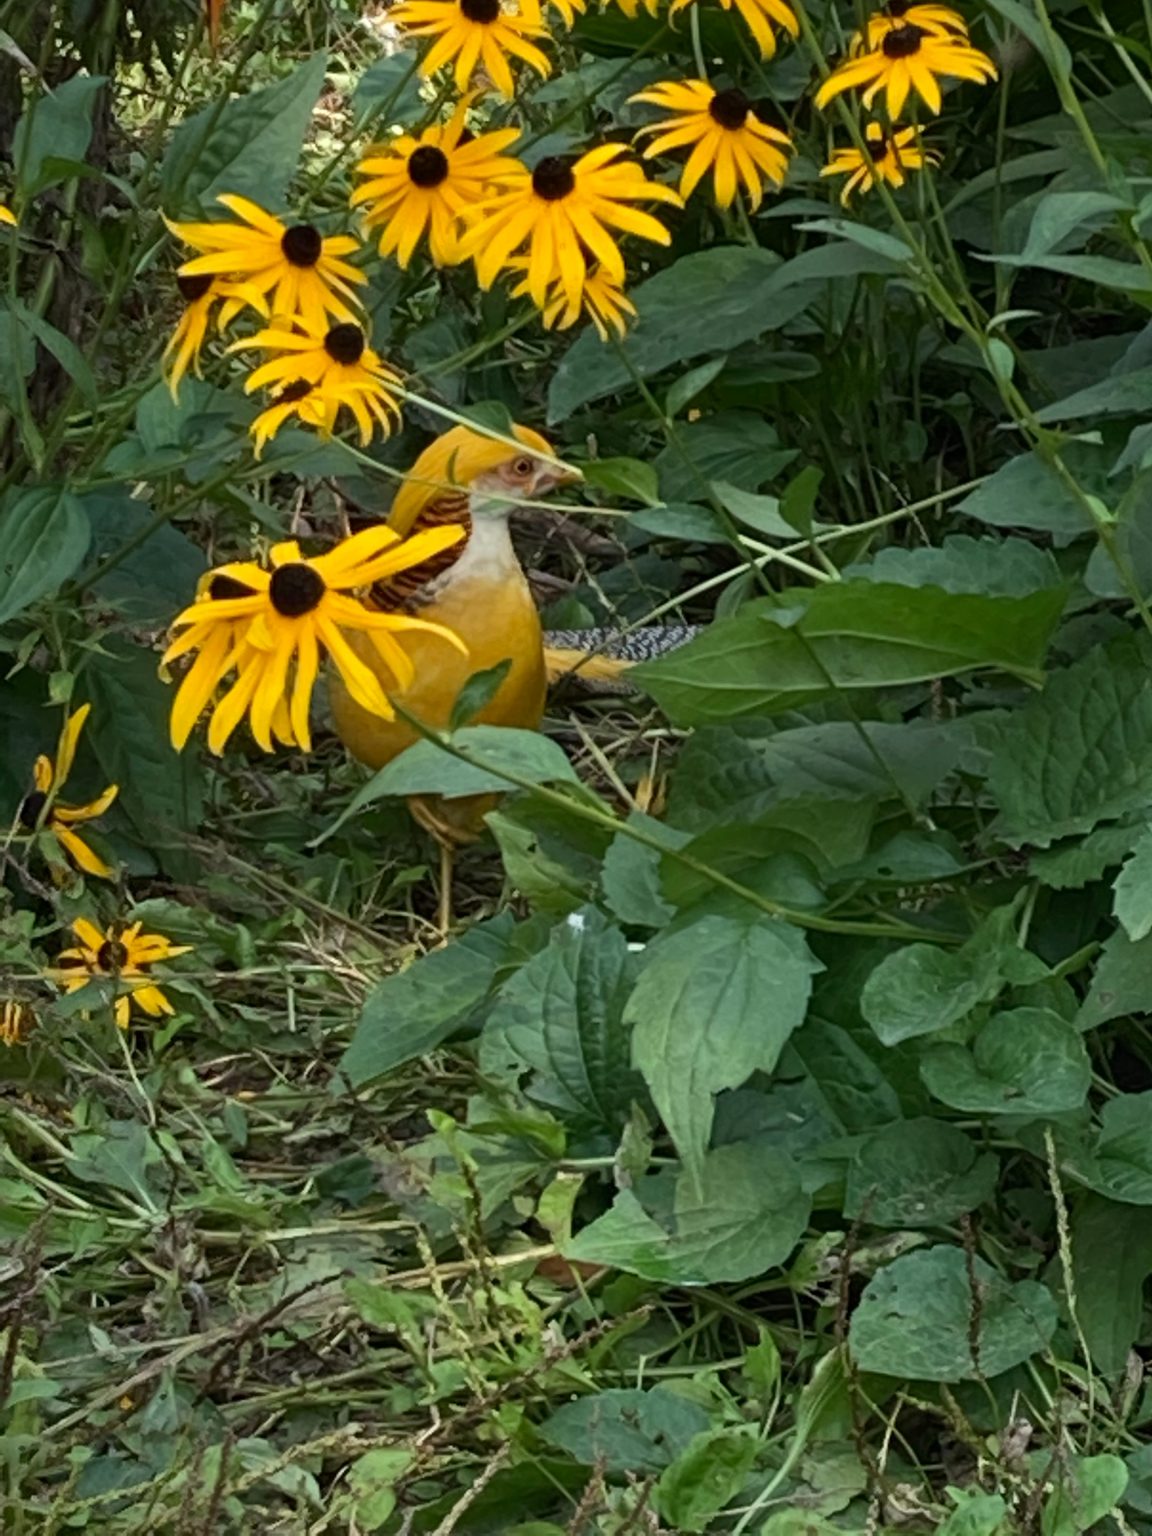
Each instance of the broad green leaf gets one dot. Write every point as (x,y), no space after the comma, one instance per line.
(122,1155)
(151,584)
(690,384)
(1026,493)
(630,874)
(976,1514)
(1132,892)
(919,1318)
(706,302)
(725,773)
(743,1216)
(918,1173)
(56,126)
(714,1003)
(548,877)
(1027,1061)
(1122,394)
(737,448)
(426,769)
(161,790)
(415,1010)
(848,1082)
(479,691)
(625,1429)
(706,1477)
(1121,983)
(1080,752)
(372,1479)
(1072,865)
(846,636)
(562,1014)
(250,145)
(760,513)
(1111,1260)
(924,988)
(65,351)
(681,520)
(1118,1161)
(1083,1495)
(997,567)
(43,538)
(1060,214)
(630,478)
(389,83)
(1124,276)
(1132,544)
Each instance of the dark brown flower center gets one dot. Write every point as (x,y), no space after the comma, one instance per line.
(294,391)
(302,245)
(112,955)
(30,808)
(193,287)
(483,11)
(427,166)
(902,42)
(730,109)
(345,343)
(879,149)
(898,8)
(296,589)
(553,179)
(223,587)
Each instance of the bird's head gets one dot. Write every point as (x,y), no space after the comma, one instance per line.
(469,460)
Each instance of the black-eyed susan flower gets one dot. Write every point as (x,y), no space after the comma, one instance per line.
(15,1022)
(122,955)
(891,154)
(304,272)
(474,33)
(631,8)
(907,59)
(6,215)
(41,808)
(727,136)
(273,634)
(758,16)
(936,20)
(338,367)
(569,9)
(201,294)
(560,212)
(603,301)
(426,184)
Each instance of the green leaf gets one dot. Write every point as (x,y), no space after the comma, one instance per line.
(630,478)
(562,1014)
(1080,752)
(714,1003)
(918,1173)
(161,790)
(1058,215)
(1118,1161)
(996,567)
(976,1514)
(1073,865)
(681,520)
(920,1318)
(709,301)
(249,146)
(846,636)
(1046,42)
(705,1477)
(56,126)
(122,1155)
(921,989)
(625,1429)
(390,82)
(1077,1503)
(690,384)
(1026,493)
(150,585)
(799,498)
(412,1012)
(630,874)
(743,1216)
(66,352)
(1028,1061)
(372,1479)
(760,513)
(426,769)
(736,447)
(1111,1260)
(1121,394)
(1121,983)
(480,689)
(43,538)
(1132,892)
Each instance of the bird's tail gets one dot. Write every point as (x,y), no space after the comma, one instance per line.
(599,659)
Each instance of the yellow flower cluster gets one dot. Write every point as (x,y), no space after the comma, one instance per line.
(552,226)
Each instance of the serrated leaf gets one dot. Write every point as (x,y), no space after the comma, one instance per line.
(919,1318)
(1027,1061)
(563,1016)
(630,874)
(849,636)
(714,1003)
(918,1173)
(999,567)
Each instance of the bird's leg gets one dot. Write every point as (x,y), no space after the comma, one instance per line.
(444,909)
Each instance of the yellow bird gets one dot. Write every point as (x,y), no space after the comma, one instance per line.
(478,589)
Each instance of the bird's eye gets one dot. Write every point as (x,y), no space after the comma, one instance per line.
(522,468)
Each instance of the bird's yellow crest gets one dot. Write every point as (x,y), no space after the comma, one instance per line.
(454,459)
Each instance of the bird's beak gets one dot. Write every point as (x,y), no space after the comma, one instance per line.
(555,476)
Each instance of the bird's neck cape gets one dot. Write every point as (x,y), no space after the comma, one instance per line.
(453,461)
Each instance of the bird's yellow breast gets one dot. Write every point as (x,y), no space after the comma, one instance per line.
(492,611)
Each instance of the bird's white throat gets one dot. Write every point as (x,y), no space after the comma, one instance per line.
(488,553)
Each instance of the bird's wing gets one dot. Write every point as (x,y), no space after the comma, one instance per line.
(412,588)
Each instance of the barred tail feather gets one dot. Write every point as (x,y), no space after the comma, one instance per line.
(599,659)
